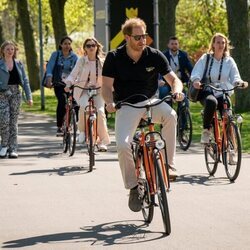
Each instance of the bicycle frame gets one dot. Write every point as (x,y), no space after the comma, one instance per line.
(90,115)
(148,146)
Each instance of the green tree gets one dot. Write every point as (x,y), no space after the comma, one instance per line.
(197,21)
(167,21)
(29,43)
(58,20)
(238,27)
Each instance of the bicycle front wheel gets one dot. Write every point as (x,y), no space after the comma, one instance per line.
(91,146)
(161,192)
(72,132)
(65,136)
(184,129)
(211,152)
(231,149)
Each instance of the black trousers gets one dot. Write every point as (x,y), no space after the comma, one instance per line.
(61,96)
(211,103)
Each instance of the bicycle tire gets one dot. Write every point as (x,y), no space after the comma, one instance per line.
(91,145)
(146,197)
(231,148)
(72,133)
(211,152)
(65,136)
(161,192)
(184,129)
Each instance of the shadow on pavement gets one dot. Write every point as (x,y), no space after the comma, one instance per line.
(199,179)
(107,234)
(68,170)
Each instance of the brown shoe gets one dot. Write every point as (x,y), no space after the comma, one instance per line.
(172,174)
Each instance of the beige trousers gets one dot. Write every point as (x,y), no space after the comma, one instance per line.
(127,119)
(102,128)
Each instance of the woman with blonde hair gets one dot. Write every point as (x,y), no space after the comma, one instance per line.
(88,73)
(221,69)
(12,74)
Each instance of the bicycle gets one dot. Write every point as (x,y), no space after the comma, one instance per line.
(90,121)
(150,157)
(226,140)
(184,125)
(69,126)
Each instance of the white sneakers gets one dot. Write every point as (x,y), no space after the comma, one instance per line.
(12,154)
(102,147)
(3,152)
(206,135)
(81,137)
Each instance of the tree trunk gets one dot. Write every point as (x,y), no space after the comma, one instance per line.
(1,33)
(29,43)
(167,10)
(239,37)
(57,13)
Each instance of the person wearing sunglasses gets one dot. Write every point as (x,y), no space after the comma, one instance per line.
(88,73)
(133,69)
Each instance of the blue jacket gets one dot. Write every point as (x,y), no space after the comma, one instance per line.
(66,64)
(4,77)
(184,63)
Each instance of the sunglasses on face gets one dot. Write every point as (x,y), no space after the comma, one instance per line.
(90,45)
(138,37)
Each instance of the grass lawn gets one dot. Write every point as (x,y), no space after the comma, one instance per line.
(50,109)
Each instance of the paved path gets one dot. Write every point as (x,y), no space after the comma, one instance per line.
(49,201)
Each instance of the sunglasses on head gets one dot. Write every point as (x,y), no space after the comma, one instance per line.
(138,37)
(90,45)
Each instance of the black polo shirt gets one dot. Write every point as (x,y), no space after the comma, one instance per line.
(135,77)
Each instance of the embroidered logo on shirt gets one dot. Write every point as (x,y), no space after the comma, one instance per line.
(150,69)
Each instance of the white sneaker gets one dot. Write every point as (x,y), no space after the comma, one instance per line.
(232,158)
(81,137)
(3,152)
(102,148)
(206,135)
(13,154)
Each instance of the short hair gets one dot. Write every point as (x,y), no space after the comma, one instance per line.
(227,47)
(6,43)
(173,38)
(129,24)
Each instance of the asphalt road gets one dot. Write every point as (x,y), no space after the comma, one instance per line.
(50,201)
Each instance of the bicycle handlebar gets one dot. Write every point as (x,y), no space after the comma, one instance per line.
(124,103)
(216,87)
(84,88)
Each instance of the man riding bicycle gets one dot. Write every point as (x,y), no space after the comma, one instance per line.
(133,69)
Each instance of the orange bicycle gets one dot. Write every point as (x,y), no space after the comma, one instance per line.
(225,141)
(90,121)
(150,156)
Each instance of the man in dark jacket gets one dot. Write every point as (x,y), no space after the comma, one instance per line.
(179,62)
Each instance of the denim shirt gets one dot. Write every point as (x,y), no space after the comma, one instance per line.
(4,77)
(67,64)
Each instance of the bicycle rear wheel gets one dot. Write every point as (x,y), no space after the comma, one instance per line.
(91,146)
(72,132)
(231,149)
(161,192)
(184,129)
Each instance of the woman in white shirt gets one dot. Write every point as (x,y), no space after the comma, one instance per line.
(221,69)
(88,72)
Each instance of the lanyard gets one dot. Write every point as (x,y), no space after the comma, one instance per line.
(96,71)
(210,68)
